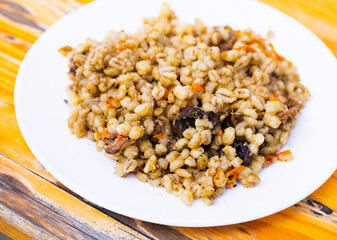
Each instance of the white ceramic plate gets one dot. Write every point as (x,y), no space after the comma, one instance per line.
(42,115)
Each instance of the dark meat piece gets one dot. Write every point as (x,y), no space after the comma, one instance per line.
(273,74)
(213,117)
(119,145)
(238,117)
(229,43)
(162,126)
(291,112)
(220,151)
(111,136)
(186,119)
(73,68)
(243,152)
(225,123)
(260,115)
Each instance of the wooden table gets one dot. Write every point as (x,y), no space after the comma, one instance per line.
(34,205)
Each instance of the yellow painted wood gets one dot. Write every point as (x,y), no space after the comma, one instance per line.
(45,211)
(21,22)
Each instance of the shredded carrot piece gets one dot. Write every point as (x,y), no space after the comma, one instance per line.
(113,103)
(224,53)
(238,33)
(270,159)
(276,95)
(98,135)
(281,155)
(220,132)
(121,48)
(120,137)
(190,105)
(159,136)
(234,171)
(167,92)
(255,40)
(275,53)
(197,87)
(275,99)
(217,175)
(228,28)
(104,133)
(246,48)
(230,182)
(262,47)
(126,46)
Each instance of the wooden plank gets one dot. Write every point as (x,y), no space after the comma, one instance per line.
(297,222)
(45,211)
(11,230)
(317,15)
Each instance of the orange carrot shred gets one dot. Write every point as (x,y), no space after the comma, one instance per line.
(121,48)
(104,133)
(282,154)
(190,105)
(98,135)
(120,137)
(275,99)
(234,171)
(228,28)
(197,87)
(230,182)
(127,46)
(159,136)
(259,39)
(217,175)
(238,33)
(220,132)
(270,159)
(246,48)
(224,53)
(167,92)
(275,53)
(113,103)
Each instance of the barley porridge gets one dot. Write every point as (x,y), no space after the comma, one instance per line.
(190,108)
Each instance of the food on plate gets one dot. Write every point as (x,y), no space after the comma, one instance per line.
(191,108)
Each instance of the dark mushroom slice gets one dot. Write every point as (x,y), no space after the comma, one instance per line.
(228,44)
(226,121)
(238,117)
(243,151)
(186,119)
(213,117)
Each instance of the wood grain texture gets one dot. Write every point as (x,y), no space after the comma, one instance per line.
(45,211)
(53,211)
